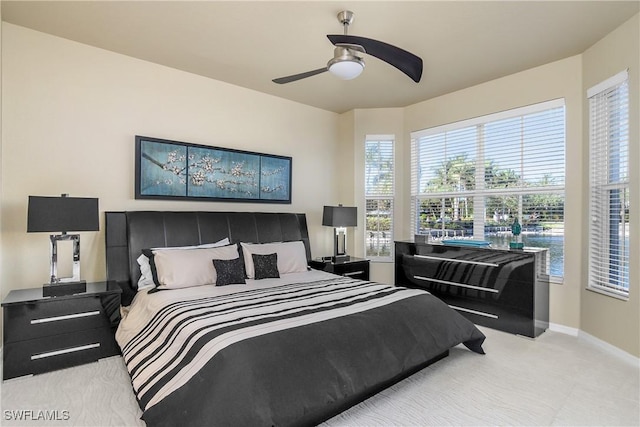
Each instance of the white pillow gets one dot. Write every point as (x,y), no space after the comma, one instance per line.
(146,278)
(189,267)
(292,256)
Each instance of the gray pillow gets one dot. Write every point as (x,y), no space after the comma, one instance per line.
(265,266)
(229,271)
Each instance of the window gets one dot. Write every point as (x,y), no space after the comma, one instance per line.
(379,192)
(609,186)
(472,179)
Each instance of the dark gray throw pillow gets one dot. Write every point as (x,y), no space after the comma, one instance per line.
(229,271)
(265,266)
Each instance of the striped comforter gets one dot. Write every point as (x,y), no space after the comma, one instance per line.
(278,355)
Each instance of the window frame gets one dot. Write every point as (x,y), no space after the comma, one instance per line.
(480,193)
(380,196)
(602,186)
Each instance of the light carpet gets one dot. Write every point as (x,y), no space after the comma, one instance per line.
(555,379)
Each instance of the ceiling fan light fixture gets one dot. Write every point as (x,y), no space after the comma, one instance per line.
(346,70)
(345,65)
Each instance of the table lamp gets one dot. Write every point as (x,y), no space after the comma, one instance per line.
(340,217)
(63,214)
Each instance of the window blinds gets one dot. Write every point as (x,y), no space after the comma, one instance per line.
(609,186)
(521,148)
(379,168)
(379,193)
(475,177)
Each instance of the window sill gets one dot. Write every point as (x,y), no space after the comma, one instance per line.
(556,280)
(381,260)
(609,294)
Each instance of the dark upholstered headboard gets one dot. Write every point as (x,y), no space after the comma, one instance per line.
(127,233)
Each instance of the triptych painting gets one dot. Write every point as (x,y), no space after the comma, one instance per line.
(178,170)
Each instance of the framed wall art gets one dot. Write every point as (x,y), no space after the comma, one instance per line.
(178,170)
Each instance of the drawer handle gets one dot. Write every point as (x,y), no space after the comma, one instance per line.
(65,317)
(64,351)
(354,273)
(462,261)
(478,288)
(468,310)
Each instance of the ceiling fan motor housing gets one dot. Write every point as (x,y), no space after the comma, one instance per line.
(345,64)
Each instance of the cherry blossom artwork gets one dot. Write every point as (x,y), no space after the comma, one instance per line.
(177,170)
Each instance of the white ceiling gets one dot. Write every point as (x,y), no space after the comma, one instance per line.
(462,43)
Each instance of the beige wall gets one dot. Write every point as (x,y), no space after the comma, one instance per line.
(611,319)
(70,116)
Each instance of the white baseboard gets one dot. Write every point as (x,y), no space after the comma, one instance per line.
(611,349)
(556,327)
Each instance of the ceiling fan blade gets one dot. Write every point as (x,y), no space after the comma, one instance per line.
(293,78)
(404,61)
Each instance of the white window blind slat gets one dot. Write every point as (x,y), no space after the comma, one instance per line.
(609,186)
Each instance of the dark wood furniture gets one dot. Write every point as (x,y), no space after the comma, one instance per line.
(499,288)
(43,334)
(357,268)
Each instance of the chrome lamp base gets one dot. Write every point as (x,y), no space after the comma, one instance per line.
(340,245)
(60,286)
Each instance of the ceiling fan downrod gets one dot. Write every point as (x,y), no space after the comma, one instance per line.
(345,18)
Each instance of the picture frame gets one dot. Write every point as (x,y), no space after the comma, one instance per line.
(174,170)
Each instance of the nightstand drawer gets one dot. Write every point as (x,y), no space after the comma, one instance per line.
(356,270)
(57,352)
(30,321)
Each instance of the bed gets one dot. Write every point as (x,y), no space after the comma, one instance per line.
(289,346)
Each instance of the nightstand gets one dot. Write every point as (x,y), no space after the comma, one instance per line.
(43,334)
(357,268)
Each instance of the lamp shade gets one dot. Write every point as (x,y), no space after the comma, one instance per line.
(340,216)
(62,214)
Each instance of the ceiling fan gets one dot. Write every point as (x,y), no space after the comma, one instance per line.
(347,64)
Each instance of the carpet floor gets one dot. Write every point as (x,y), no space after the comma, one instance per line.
(555,379)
